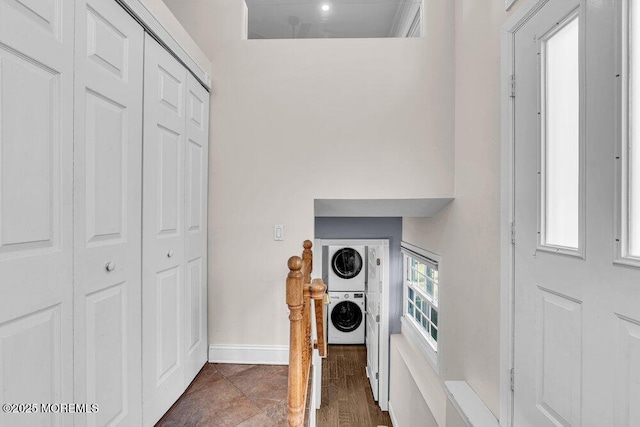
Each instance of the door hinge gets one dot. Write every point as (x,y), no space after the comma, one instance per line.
(377,375)
(511,379)
(377,261)
(377,318)
(513,233)
(512,86)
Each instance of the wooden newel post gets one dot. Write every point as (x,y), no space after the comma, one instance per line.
(296,395)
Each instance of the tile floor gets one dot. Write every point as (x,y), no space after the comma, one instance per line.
(225,395)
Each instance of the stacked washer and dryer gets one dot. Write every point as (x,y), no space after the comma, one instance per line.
(346,288)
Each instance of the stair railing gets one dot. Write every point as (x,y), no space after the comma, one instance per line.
(301,291)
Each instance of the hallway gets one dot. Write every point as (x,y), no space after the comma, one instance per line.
(346,394)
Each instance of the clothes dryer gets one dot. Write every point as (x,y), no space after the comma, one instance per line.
(347,268)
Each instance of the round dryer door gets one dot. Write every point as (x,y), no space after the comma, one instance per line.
(346,263)
(346,316)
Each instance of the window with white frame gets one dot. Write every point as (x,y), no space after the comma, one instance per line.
(421,288)
(560,168)
(630,154)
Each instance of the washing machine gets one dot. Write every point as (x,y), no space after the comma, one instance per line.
(347,268)
(346,323)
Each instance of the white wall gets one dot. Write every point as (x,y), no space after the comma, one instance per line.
(466,233)
(294,120)
(407,406)
(416,394)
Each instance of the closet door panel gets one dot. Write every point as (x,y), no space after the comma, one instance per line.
(38,28)
(197,128)
(108,174)
(163,231)
(36,155)
(169,181)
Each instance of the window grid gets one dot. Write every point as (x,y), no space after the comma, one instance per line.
(422,299)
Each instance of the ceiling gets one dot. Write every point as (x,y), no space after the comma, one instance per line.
(285,19)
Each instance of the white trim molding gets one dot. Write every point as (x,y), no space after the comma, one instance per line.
(249,354)
(157,30)
(471,408)
(507,204)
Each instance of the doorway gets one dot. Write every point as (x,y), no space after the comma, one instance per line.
(374,317)
(333,228)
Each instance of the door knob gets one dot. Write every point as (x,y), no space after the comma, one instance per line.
(170,253)
(110,266)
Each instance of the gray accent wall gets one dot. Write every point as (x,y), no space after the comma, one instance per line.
(371,228)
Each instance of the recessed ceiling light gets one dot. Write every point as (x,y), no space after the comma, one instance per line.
(326,7)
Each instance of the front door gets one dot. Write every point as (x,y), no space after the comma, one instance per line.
(374,290)
(577,312)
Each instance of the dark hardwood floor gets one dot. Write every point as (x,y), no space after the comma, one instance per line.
(347,400)
(225,395)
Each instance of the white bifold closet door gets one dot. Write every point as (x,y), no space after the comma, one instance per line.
(107,205)
(36,217)
(174,230)
(195,342)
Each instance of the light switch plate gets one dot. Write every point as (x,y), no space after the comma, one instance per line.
(278,232)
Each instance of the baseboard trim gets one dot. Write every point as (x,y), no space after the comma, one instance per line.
(392,415)
(249,354)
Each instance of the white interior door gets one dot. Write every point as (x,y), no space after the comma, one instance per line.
(577,313)
(195,227)
(374,291)
(163,314)
(107,204)
(36,217)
